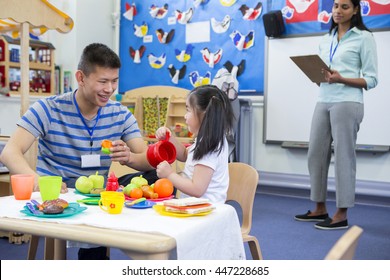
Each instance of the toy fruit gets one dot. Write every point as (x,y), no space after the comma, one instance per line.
(136,193)
(148,192)
(84,184)
(128,188)
(139,181)
(98,180)
(163,187)
(106,145)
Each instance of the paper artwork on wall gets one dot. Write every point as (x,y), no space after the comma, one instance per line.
(211,58)
(221,26)
(158,12)
(251,13)
(165,37)
(184,55)
(141,30)
(235,70)
(157,62)
(177,74)
(243,42)
(131,11)
(227,3)
(200,2)
(136,55)
(197,80)
(184,17)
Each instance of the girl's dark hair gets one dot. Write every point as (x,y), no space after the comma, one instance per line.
(97,54)
(212,107)
(356,20)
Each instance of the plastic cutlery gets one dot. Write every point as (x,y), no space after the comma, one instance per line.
(32,209)
(135,201)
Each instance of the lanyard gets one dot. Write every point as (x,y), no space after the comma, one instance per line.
(331,51)
(90,130)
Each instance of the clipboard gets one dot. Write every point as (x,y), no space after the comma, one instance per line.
(312,66)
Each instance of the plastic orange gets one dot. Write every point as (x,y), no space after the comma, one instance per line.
(136,193)
(163,187)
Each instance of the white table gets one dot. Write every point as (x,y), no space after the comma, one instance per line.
(140,233)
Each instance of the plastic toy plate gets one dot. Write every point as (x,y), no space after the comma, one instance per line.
(87,194)
(153,200)
(71,210)
(161,210)
(141,205)
(89,201)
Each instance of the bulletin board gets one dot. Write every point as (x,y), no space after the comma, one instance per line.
(198,37)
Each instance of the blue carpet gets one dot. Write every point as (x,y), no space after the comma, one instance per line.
(279,235)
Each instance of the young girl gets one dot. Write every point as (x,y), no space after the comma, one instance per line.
(209,117)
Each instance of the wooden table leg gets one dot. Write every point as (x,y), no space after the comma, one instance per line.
(59,249)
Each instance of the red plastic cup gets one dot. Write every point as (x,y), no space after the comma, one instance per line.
(160,151)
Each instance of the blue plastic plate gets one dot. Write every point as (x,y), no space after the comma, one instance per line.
(71,210)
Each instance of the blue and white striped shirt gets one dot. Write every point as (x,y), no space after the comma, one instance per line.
(63,137)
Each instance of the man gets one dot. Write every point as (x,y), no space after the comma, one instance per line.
(70,128)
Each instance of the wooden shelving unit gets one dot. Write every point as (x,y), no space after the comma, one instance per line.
(41,66)
(176,107)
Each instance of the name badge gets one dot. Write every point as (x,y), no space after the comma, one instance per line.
(90,161)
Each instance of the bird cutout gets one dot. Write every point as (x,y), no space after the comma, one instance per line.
(136,55)
(184,55)
(176,74)
(158,12)
(200,2)
(142,30)
(131,11)
(251,13)
(165,37)
(221,26)
(157,62)
(243,42)
(324,17)
(184,17)
(227,3)
(287,12)
(211,58)
(231,68)
(197,80)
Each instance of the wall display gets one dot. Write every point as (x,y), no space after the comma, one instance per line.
(185,43)
(165,42)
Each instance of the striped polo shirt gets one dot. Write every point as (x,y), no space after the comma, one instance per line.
(63,137)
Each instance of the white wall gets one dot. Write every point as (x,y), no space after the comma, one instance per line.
(372,170)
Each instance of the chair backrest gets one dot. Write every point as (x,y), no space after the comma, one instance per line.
(242,189)
(345,247)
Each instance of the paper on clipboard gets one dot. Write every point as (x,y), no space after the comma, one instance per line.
(312,66)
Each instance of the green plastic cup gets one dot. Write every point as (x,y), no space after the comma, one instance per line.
(50,187)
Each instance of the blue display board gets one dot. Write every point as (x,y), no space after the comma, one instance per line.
(191,39)
(200,32)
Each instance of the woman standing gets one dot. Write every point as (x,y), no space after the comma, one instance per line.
(350,50)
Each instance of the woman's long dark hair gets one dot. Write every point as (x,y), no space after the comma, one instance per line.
(356,20)
(212,107)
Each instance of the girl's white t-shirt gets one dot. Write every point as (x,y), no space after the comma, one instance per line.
(217,189)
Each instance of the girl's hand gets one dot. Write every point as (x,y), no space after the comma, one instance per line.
(164,169)
(161,133)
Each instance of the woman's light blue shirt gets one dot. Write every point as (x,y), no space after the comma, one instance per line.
(355,57)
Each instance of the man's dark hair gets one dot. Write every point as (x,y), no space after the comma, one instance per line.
(97,54)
